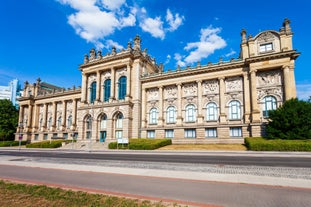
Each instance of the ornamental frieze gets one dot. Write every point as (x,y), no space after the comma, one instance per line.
(266,36)
(153,94)
(210,87)
(190,89)
(269,78)
(234,84)
(170,92)
(276,91)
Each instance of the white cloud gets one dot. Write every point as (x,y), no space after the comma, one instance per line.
(173,21)
(303,91)
(110,43)
(93,23)
(168,59)
(232,52)
(179,61)
(209,42)
(153,26)
(113,4)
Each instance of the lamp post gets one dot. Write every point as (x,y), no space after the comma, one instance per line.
(20,137)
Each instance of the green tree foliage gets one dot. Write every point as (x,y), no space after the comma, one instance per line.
(290,121)
(8,120)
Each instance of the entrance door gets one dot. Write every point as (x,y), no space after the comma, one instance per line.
(103,135)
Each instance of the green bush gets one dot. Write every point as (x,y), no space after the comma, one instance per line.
(261,144)
(11,143)
(142,144)
(45,144)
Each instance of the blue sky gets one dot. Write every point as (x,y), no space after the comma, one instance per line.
(48,38)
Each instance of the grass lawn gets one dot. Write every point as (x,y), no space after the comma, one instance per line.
(225,147)
(21,195)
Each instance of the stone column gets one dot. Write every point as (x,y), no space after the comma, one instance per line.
(98,85)
(21,114)
(200,115)
(160,116)
(112,85)
(222,100)
(54,115)
(143,108)
(179,104)
(128,83)
(64,115)
(246,98)
(45,111)
(30,116)
(84,88)
(289,82)
(255,108)
(74,114)
(35,117)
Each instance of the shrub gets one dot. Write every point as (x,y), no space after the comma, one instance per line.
(45,144)
(261,144)
(142,144)
(11,143)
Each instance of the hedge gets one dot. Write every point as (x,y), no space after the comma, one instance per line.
(45,144)
(142,144)
(11,143)
(261,144)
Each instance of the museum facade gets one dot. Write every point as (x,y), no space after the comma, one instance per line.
(125,94)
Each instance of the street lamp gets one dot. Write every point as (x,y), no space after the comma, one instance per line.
(20,137)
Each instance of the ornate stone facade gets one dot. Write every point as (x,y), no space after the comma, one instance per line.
(126,94)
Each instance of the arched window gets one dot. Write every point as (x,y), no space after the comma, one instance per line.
(122,87)
(69,122)
(40,123)
(59,122)
(190,113)
(88,126)
(211,112)
(119,121)
(234,110)
(153,116)
(103,122)
(269,103)
(107,89)
(93,92)
(171,114)
(50,123)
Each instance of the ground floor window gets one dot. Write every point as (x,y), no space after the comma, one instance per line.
(36,136)
(54,134)
(210,132)
(190,133)
(235,131)
(151,134)
(88,134)
(169,133)
(119,134)
(45,136)
(65,135)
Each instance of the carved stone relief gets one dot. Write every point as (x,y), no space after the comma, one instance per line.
(234,84)
(266,37)
(153,94)
(106,75)
(121,72)
(91,79)
(190,89)
(269,78)
(210,87)
(275,91)
(170,92)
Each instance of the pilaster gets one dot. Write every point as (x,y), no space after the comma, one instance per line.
(222,100)
(179,105)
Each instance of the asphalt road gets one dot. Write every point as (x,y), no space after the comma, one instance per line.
(190,192)
(200,158)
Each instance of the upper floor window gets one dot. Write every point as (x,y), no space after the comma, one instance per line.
(266,47)
(89,123)
(122,88)
(153,116)
(59,122)
(93,92)
(50,123)
(107,89)
(171,114)
(69,121)
(269,103)
(190,113)
(103,122)
(234,110)
(40,123)
(211,112)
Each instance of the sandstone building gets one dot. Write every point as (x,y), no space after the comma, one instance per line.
(126,94)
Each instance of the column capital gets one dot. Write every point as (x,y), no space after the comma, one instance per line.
(253,71)
(178,84)
(199,81)
(221,78)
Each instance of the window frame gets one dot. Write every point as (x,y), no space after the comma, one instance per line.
(107,90)
(122,87)
(190,133)
(93,92)
(169,133)
(151,134)
(272,103)
(171,114)
(211,132)
(234,110)
(153,116)
(211,107)
(190,113)
(236,132)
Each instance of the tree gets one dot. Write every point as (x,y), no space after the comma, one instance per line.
(290,121)
(8,120)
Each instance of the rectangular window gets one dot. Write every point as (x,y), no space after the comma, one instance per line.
(36,136)
(65,135)
(210,132)
(190,133)
(119,134)
(235,131)
(169,133)
(54,134)
(88,135)
(266,47)
(151,134)
(45,136)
